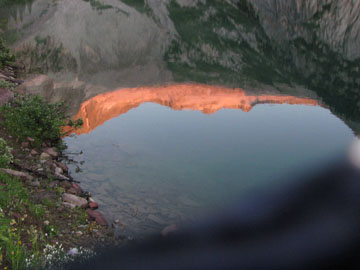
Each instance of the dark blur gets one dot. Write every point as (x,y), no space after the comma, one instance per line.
(313,224)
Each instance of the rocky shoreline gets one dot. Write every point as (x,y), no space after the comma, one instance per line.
(42,169)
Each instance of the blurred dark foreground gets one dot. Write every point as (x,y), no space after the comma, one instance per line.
(314,223)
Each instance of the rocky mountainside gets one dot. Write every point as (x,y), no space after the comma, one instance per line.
(240,43)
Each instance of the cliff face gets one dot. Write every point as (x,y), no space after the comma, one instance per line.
(334,22)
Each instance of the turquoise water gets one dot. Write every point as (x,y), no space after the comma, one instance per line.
(154,166)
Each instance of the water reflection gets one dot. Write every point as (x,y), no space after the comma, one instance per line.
(205,98)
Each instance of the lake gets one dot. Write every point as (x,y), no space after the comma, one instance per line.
(155,156)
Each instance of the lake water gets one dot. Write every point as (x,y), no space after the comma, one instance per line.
(151,157)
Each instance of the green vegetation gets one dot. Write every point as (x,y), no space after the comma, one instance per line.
(5,154)
(32,117)
(211,48)
(139,5)
(6,3)
(6,58)
(14,198)
(6,84)
(95,4)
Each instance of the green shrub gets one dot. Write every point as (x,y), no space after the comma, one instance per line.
(5,154)
(6,57)
(6,84)
(32,117)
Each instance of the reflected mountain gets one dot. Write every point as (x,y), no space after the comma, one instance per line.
(200,97)
(258,44)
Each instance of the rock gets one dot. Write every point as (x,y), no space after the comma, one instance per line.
(78,189)
(72,191)
(76,200)
(6,96)
(63,166)
(62,177)
(34,152)
(44,156)
(25,144)
(117,221)
(169,229)
(97,216)
(58,170)
(93,205)
(53,184)
(30,139)
(157,219)
(18,174)
(35,183)
(68,205)
(65,184)
(51,151)
(49,163)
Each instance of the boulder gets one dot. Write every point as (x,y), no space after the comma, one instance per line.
(25,144)
(77,188)
(63,166)
(97,216)
(76,200)
(30,139)
(51,151)
(68,205)
(44,156)
(58,170)
(18,174)
(93,205)
(6,96)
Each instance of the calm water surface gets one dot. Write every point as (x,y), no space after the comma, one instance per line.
(153,166)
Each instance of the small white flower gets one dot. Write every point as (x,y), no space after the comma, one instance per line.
(73,251)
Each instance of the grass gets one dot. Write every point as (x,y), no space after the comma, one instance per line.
(14,198)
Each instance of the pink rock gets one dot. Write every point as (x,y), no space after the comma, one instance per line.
(93,205)
(169,229)
(25,144)
(5,96)
(53,184)
(73,199)
(63,166)
(30,139)
(51,151)
(77,188)
(34,152)
(72,191)
(97,216)
(58,170)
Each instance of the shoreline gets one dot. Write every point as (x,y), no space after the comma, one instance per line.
(70,220)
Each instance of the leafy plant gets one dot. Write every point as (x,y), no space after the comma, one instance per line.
(6,84)
(5,154)
(35,118)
